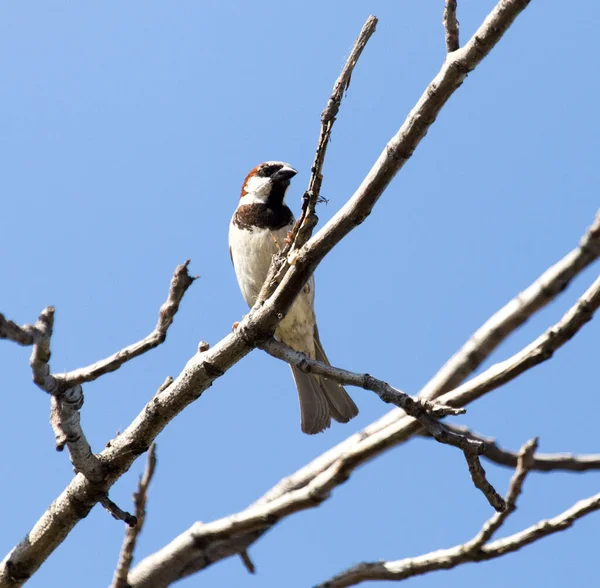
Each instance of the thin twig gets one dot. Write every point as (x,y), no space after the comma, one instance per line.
(445,559)
(40,356)
(482,483)
(303,227)
(132,532)
(116,512)
(541,462)
(248,564)
(25,335)
(180,282)
(451,26)
(426,412)
(412,406)
(515,488)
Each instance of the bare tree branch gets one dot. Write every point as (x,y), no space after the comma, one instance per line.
(64,407)
(205,543)
(39,336)
(541,462)
(535,353)
(23,335)
(204,368)
(395,154)
(307,221)
(40,356)
(180,282)
(515,488)
(481,482)
(67,393)
(475,550)
(248,564)
(334,468)
(412,406)
(511,316)
(540,350)
(116,512)
(66,424)
(426,413)
(131,533)
(391,429)
(451,26)
(368,444)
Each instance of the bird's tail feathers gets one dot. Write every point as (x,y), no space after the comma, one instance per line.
(321,399)
(342,407)
(314,408)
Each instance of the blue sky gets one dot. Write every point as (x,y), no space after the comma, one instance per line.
(126,130)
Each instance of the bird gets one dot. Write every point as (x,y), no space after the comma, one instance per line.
(258,229)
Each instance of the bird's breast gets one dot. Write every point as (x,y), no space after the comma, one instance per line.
(252,249)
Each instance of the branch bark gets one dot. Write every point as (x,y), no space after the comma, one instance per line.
(25,335)
(66,423)
(40,355)
(450,23)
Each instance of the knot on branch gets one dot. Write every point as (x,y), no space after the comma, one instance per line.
(252,335)
(73,397)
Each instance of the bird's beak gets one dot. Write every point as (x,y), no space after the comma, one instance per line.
(284,174)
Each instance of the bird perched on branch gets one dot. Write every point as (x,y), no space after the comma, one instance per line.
(258,228)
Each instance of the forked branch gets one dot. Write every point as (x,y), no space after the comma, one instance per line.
(424,411)
(479,548)
(180,282)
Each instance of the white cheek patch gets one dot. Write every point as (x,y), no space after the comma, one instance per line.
(257,190)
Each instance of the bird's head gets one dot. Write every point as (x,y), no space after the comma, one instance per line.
(267,183)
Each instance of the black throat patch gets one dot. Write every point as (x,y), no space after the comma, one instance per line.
(262,216)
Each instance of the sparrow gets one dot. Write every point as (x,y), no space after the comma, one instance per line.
(258,229)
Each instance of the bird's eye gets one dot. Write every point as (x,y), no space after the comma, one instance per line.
(268,170)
